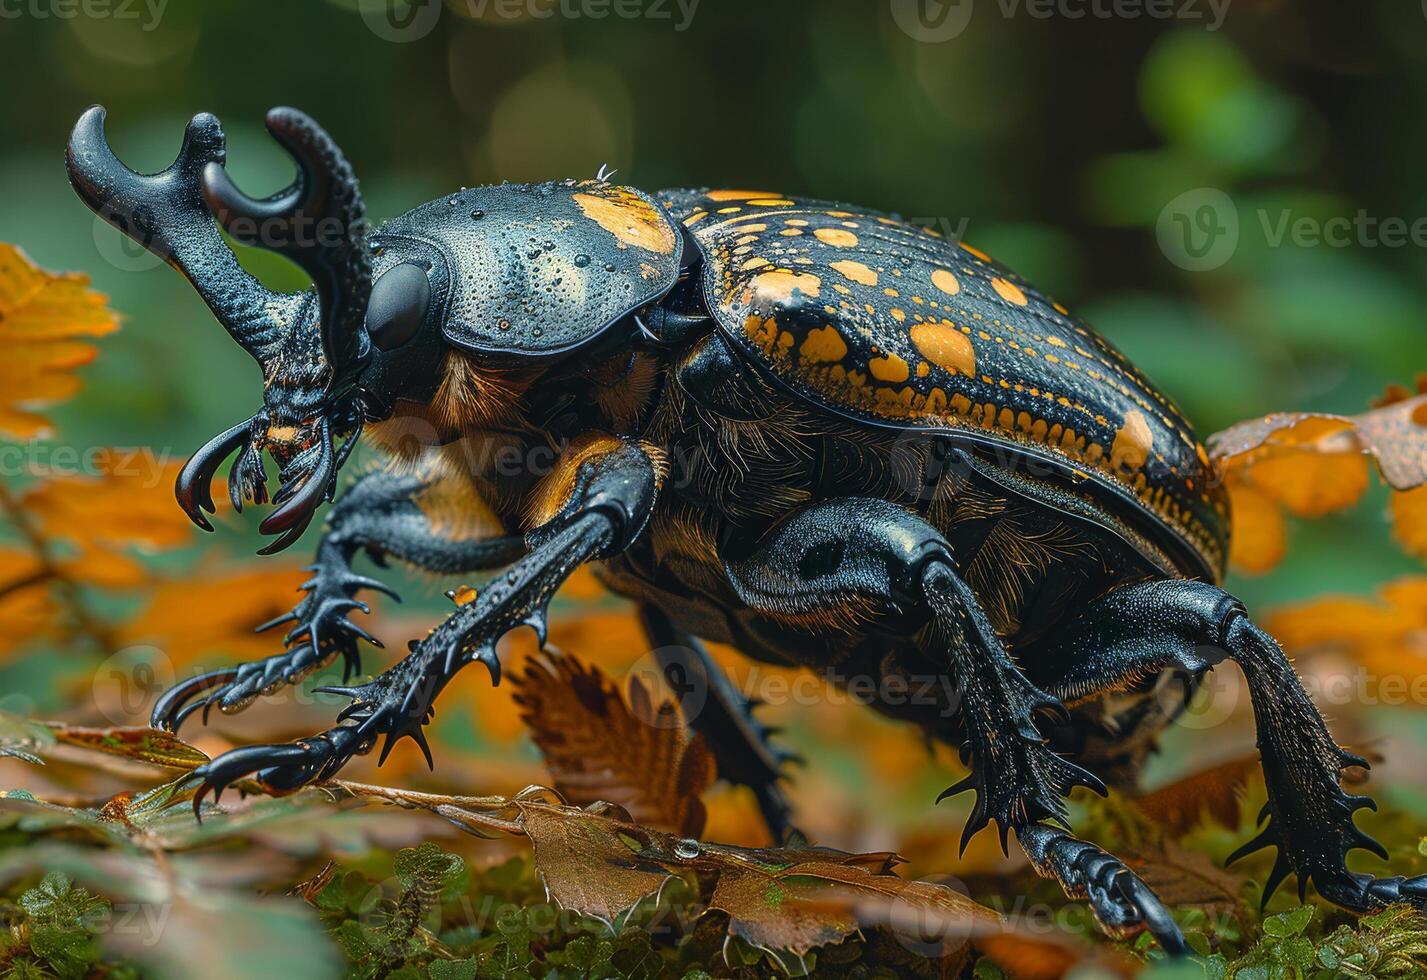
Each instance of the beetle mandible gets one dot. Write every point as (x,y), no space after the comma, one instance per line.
(819,433)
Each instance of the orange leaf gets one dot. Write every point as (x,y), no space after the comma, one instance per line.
(1260,539)
(1409,520)
(204,614)
(40,314)
(123,499)
(1386,634)
(1315,463)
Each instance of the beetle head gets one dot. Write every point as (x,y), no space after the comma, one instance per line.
(314,347)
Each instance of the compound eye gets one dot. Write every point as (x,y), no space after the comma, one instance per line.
(398,306)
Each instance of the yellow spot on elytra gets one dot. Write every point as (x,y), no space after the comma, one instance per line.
(898,314)
(1132,444)
(797,222)
(836,237)
(463,596)
(771,202)
(976,252)
(778,286)
(735,195)
(1008,291)
(1055,342)
(946,282)
(729,210)
(856,271)
(791,232)
(823,345)
(946,347)
(889,368)
(629,218)
(754,263)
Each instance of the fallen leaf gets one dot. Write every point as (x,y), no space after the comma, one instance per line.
(628,750)
(41,314)
(1180,805)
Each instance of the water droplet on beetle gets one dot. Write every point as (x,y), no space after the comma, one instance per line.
(609,267)
(687,849)
(478,214)
(582,260)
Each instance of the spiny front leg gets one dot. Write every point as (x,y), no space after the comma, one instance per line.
(606,489)
(383,514)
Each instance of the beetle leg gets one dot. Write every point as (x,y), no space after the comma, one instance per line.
(1123,904)
(596,504)
(1149,626)
(742,748)
(381,514)
(833,563)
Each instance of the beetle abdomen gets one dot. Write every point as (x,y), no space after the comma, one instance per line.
(879,319)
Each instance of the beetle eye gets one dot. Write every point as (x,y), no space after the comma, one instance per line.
(397,306)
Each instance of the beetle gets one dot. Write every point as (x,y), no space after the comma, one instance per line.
(820,433)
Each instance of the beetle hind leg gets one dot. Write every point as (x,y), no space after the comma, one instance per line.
(1191,626)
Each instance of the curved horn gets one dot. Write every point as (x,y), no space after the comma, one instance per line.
(318,221)
(193,486)
(167,213)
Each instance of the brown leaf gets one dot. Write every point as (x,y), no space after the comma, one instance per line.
(786,900)
(626,750)
(40,315)
(1180,876)
(1215,793)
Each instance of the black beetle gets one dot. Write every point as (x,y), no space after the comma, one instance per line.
(819,433)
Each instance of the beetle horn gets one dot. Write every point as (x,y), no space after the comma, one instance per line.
(318,222)
(167,214)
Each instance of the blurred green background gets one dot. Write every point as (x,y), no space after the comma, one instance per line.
(1055,142)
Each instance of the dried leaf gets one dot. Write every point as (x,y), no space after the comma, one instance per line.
(1180,876)
(1409,520)
(40,315)
(1215,793)
(600,746)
